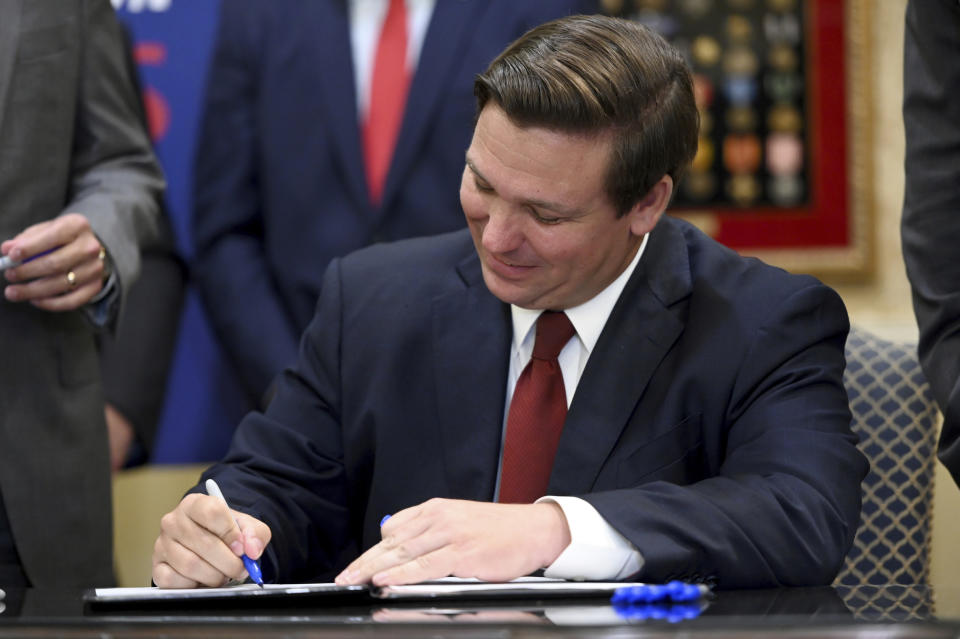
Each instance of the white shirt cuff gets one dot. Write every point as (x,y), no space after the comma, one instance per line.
(597,552)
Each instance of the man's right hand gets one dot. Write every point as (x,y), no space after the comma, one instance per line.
(201,541)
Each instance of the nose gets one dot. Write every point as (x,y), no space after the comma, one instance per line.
(502,233)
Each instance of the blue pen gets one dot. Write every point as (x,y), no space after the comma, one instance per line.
(6,262)
(253,568)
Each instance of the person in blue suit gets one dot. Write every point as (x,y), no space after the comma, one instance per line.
(279,180)
(706,434)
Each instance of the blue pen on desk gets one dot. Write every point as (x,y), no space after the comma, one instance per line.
(253,568)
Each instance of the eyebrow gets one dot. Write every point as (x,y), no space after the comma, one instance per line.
(550,206)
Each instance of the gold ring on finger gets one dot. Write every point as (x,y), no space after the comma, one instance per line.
(71,279)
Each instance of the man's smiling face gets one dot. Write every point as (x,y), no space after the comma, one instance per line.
(547,235)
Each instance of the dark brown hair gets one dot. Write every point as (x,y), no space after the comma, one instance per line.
(585,74)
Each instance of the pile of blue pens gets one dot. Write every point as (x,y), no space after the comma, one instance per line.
(672,602)
(674,591)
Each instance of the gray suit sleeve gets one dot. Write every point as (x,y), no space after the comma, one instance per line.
(116,181)
(135,359)
(931,209)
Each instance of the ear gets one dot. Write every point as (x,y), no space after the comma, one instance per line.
(646,213)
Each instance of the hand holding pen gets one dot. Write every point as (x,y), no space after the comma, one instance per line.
(253,568)
(201,543)
(58,265)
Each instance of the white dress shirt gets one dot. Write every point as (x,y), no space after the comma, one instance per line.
(596,551)
(366,22)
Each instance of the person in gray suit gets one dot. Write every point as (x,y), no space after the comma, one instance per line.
(931,207)
(79,200)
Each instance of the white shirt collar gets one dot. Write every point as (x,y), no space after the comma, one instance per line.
(366,21)
(588,319)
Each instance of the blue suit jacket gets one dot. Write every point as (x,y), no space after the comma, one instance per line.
(280,188)
(710,425)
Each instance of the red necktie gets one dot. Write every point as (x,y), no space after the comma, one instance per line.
(388,96)
(536,416)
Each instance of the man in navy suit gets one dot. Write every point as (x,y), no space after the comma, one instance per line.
(280,186)
(705,430)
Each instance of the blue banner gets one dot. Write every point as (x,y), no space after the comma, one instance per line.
(172,45)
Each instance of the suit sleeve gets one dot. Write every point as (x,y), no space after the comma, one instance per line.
(286,466)
(230,266)
(931,209)
(135,359)
(541,11)
(784,507)
(115,182)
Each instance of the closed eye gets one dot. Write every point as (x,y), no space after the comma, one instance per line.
(543,219)
(482,186)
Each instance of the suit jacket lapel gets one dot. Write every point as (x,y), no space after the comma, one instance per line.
(330,34)
(9,39)
(639,333)
(472,336)
(445,37)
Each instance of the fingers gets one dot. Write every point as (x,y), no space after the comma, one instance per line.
(69,301)
(64,267)
(187,562)
(435,564)
(255,535)
(60,291)
(81,255)
(418,544)
(165,576)
(404,537)
(441,537)
(44,236)
(199,544)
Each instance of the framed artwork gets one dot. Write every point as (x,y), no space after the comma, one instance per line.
(783,170)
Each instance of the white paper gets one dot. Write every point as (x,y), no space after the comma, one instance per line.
(449,587)
(522,587)
(240,590)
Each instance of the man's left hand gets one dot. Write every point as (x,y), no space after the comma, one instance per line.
(68,276)
(444,537)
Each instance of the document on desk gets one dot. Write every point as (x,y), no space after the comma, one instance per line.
(447,588)
(524,587)
(240,591)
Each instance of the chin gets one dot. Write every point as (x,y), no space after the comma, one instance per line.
(508,296)
(504,292)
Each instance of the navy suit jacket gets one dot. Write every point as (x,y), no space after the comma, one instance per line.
(280,187)
(710,426)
